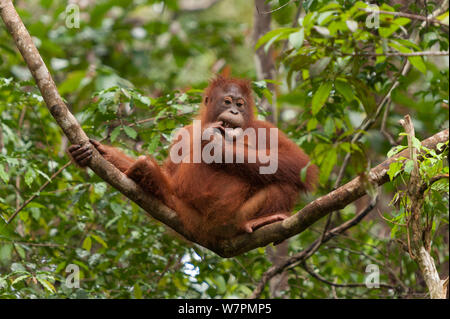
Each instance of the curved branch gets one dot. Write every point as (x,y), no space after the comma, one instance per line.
(71,127)
(320,207)
(276,232)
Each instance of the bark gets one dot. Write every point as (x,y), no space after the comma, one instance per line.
(265,66)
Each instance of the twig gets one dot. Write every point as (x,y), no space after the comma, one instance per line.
(37,244)
(43,186)
(433,180)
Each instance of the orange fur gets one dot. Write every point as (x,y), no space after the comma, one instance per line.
(216,201)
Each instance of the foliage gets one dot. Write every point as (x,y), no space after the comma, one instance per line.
(133,72)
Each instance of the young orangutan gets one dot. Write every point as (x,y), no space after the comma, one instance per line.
(217,200)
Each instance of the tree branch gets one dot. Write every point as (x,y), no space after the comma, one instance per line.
(320,207)
(419,53)
(70,126)
(406,15)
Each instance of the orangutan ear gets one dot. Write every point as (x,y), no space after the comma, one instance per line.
(206,100)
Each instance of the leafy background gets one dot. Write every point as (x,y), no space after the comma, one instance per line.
(133,72)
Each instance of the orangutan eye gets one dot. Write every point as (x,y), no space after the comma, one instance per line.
(240,103)
(228,100)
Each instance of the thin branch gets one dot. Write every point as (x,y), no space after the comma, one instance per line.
(275,10)
(43,186)
(304,254)
(194,6)
(433,180)
(370,120)
(406,15)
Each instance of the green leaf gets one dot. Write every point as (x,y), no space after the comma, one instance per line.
(352,25)
(72,82)
(320,97)
(5,253)
(365,95)
(3,175)
(100,188)
(130,132)
(312,124)
(220,284)
(416,143)
(416,61)
(322,30)
(443,18)
(319,66)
